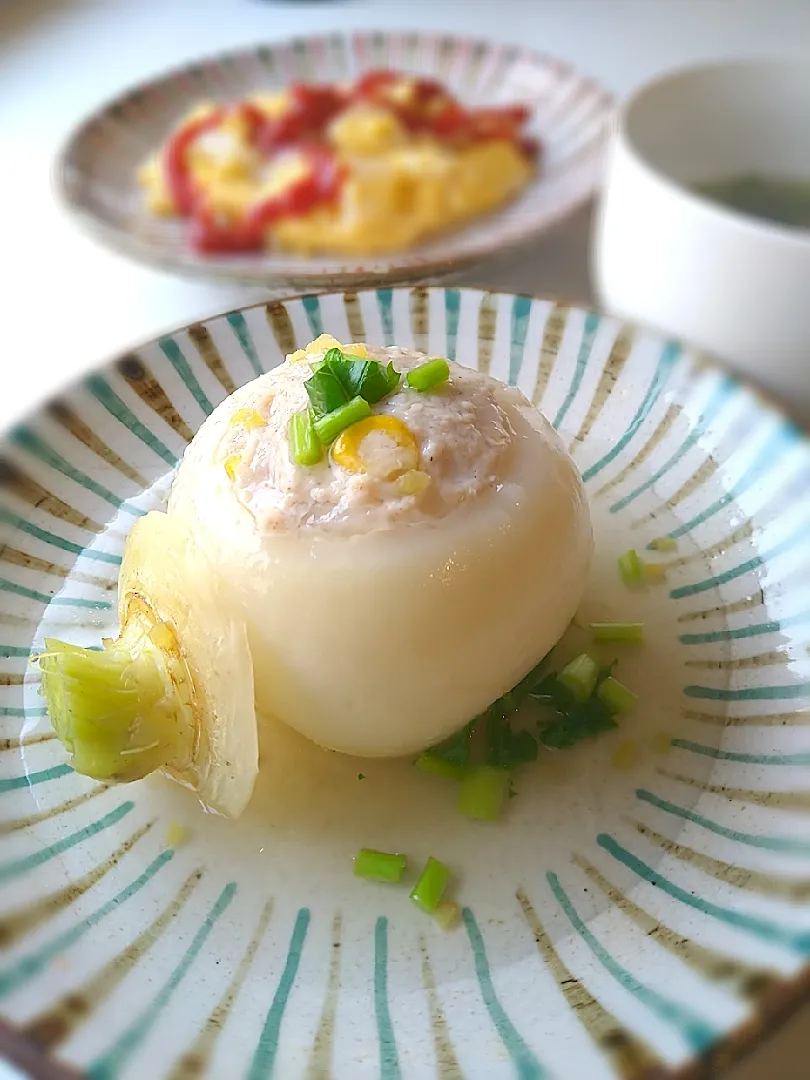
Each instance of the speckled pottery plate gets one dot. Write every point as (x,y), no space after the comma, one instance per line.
(641,910)
(96,172)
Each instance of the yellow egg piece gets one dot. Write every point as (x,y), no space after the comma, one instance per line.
(381,446)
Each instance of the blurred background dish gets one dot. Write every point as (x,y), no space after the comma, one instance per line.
(704,226)
(97,172)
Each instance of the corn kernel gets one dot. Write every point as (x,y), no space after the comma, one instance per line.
(396,453)
(357,348)
(232,464)
(248,418)
(654,573)
(176,835)
(323,343)
(413,482)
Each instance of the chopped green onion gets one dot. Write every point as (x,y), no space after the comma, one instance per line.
(428,375)
(580,676)
(432,763)
(330,426)
(664,543)
(379,865)
(483,791)
(305,446)
(615,695)
(618,631)
(630,567)
(447,914)
(429,889)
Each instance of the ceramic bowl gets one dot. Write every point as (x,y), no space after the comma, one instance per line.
(96,172)
(639,912)
(675,260)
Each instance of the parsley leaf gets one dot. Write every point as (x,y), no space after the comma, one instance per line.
(506,748)
(572,721)
(339,377)
(456,749)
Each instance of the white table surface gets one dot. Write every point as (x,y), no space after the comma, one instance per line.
(81,304)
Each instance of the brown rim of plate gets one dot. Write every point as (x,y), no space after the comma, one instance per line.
(412,268)
(768,1016)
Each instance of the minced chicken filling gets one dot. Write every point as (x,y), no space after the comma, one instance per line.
(461,429)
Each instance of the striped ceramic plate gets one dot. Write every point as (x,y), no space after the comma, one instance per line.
(642,907)
(96,171)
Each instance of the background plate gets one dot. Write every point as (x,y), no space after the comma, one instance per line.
(96,173)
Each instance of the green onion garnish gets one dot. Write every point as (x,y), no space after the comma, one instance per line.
(428,375)
(379,865)
(439,766)
(483,791)
(654,572)
(618,697)
(447,914)
(618,631)
(429,889)
(305,446)
(330,426)
(664,543)
(580,677)
(630,567)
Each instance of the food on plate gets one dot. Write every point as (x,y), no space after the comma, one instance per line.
(375,166)
(371,544)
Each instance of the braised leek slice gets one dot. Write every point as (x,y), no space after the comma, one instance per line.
(174,692)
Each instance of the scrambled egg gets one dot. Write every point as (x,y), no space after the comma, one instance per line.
(398,188)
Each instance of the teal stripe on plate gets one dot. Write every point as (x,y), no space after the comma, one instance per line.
(749,693)
(590,327)
(795,940)
(34,445)
(776,626)
(13,710)
(7,651)
(785,844)
(104,394)
(527,1067)
(264,1058)
(238,323)
(389,1059)
(385,305)
(691,1027)
(57,541)
(452,308)
(802,758)
(765,461)
(14,783)
(722,395)
(60,601)
(112,1061)
(737,571)
(521,310)
(173,353)
(669,357)
(16,867)
(29,966)
(312,308)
